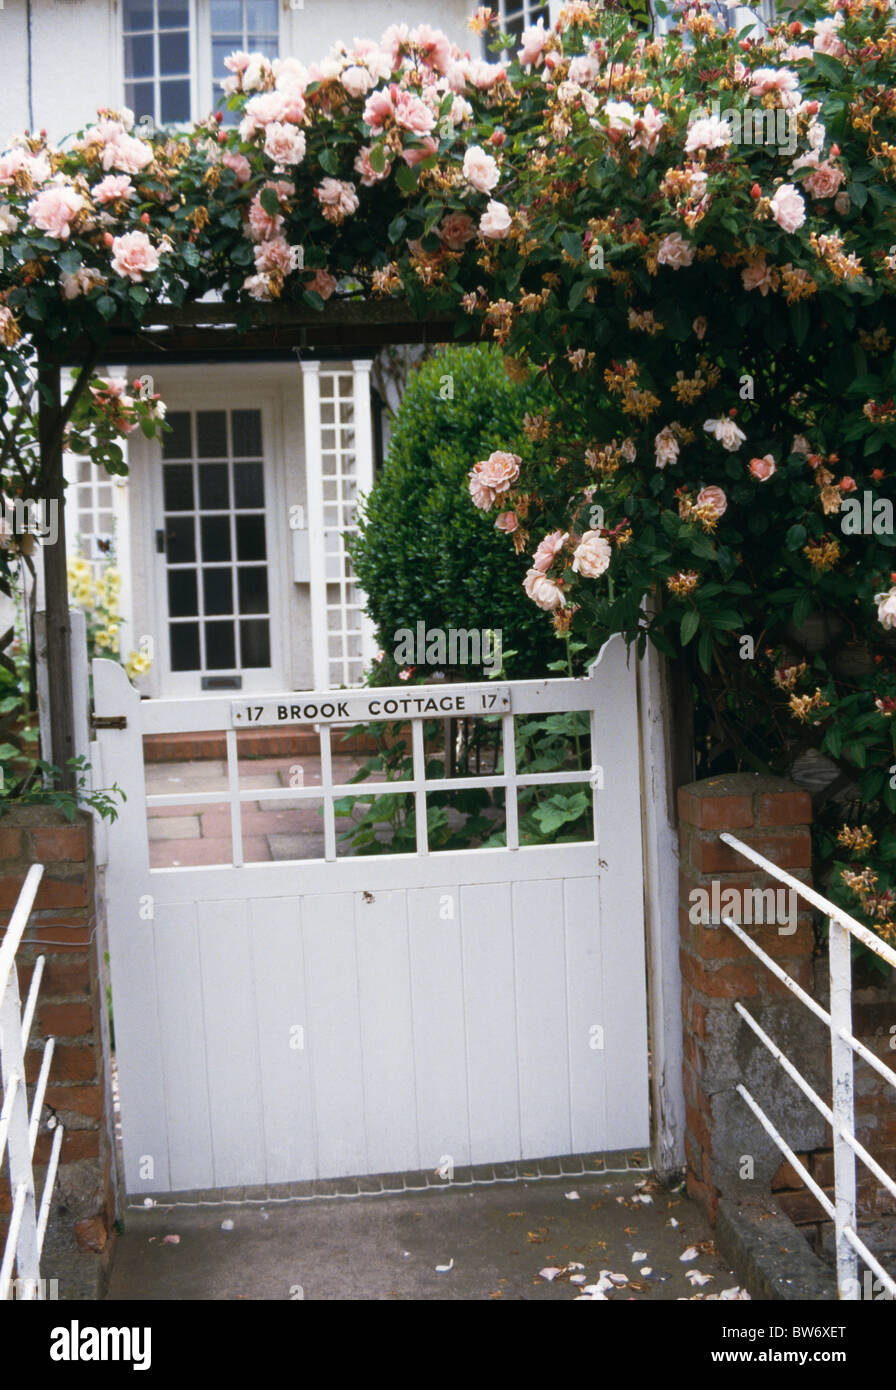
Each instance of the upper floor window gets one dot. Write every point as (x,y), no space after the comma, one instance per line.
(517,15)
(251,25)
(157,59)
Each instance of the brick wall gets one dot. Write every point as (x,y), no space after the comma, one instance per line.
(70,1008)
(725,1144)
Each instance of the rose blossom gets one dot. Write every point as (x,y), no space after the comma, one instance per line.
(507,522)
(592,555)
(713,498)
(647,130)
(773,80)
(762,469)
(412,114)
(82,282)
(825,40)
(675,251)
(277,256)
(357,81)
(455,230)
(760,276)
(416,155)
(708,133)
(584,69)
(322,283)
(543,591)
(363,166)
(480,169)
(700,326)
(548,549)
(239,164)
(258,286)
(667,448)
(128,154)
(493,476)
(54,209)
(533,40)
(337,199)
(378,110)
(133,255)
(788,208)
(433,45)
(495,222)
(18,160)
(112,188)
(842,204)
(284,144)
(824,181)
(620,117)
(886,608)
(726,432)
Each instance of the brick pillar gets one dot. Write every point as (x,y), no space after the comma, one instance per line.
(71,1007)
(726,1147)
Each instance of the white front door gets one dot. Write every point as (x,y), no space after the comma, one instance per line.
(215,539)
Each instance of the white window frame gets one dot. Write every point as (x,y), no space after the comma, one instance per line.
(204,64)
(191,20)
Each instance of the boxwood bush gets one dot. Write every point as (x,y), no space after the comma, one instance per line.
(423,553)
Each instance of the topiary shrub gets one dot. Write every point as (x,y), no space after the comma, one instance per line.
(423,553)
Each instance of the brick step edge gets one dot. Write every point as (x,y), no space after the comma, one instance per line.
(260,743)
(770,1256)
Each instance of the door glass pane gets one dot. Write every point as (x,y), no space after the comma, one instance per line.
(255,643)
(211,434)
(138,56)
(175,102)
(214,487)
(174,53)
(176,444)
(250,541)
(220,647)
(248,486)
(215,537)
(182,600)
(181,540)
(184,646)
(217,591)
(253,589)
(178,480)
(246,433)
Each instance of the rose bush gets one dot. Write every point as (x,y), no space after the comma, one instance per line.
(714,317)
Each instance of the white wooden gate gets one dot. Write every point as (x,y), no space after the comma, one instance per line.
(277,1022)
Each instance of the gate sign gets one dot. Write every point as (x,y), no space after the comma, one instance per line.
(339,707)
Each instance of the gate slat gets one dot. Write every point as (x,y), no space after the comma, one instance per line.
(439,1044)
(278,963)
(184,1066)
(384,991)
(231,1044)
(489,992)
(542,1022)
(334,1034)
(585,976)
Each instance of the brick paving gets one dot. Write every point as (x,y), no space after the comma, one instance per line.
(186,836)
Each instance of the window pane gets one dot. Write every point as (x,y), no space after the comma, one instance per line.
(181,540)
(215,538)
(174,53)
(250,538)
(175,102)
(211,434)
(137,14)
(138,60)
(221,49)
(217,591)
(178,479)
(248,485)
(214,487)
(246,434)
(184,646)
(261,16)
(139,97)
(176,444)
(226,16)
(220,647)
(182,593)
(268,44)
(253,589)
(174,14)
(255,643)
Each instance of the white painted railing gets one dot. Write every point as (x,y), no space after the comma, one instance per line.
(18,1126)
(840,1114)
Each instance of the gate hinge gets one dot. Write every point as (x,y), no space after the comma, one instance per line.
(109,721)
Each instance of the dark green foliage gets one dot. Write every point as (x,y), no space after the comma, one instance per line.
(425,554)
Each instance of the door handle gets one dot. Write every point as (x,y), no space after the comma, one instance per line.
(160,542)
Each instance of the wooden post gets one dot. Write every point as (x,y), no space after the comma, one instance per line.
(59,654)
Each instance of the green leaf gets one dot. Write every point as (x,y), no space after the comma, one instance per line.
(689,625)
(795,537)
(799,322)
(406,179)
(106,306)
(69,261)
(572,244)
(577,294)
(269,201)
(329,162)
(378,154)
(396,228)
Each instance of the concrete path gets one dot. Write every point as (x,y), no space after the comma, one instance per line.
(499,1237)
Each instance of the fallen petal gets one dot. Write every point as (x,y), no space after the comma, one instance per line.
(645,1271)
(444,1269)
(571,1196)
(227,1225)
(638,1256)
(577,1278)
(696,1277)
(171,1240)
(690,1254)
(550,1273)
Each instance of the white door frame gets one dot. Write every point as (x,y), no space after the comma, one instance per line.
(201,387)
